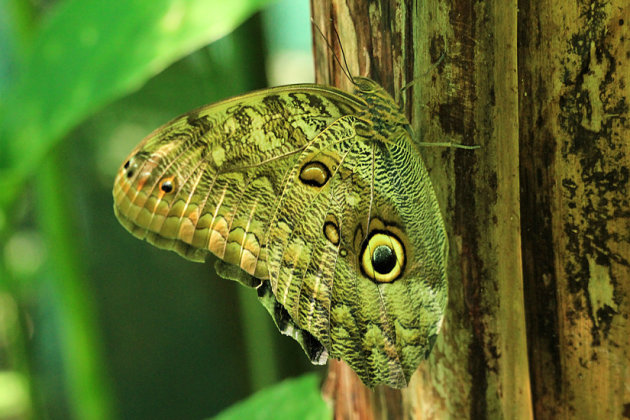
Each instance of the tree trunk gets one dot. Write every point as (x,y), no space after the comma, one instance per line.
(538,217)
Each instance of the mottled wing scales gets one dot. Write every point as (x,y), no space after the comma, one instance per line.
(301,211)
(361,325)
(345,330)
(303,259)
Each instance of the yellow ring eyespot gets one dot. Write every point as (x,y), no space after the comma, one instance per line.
(167,185)
(383,257)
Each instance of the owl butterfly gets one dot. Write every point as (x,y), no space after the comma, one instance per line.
(317,198)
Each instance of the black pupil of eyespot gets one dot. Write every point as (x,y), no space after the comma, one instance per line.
(126,164)
(383,259)
(167,186)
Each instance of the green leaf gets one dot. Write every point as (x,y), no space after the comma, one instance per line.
(89,53)
(298,398)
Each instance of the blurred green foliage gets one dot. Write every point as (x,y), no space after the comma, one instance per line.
(87,53)
(94,323)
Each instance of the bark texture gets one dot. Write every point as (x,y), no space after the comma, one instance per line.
(574,88)
(538,217)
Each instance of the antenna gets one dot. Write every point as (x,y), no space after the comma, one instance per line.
(434,66)
(344,66)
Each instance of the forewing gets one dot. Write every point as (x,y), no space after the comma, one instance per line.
(210,181)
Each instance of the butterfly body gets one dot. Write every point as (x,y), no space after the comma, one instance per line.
(320,195)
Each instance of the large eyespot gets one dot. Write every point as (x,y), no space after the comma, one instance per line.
(383,257)
(167,184)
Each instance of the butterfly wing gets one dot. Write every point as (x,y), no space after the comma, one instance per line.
(286,184)
(382,324)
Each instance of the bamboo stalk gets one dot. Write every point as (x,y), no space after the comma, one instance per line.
(575,157)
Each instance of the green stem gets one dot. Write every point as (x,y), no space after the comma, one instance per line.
(13,332)
(258,332)
(88,386)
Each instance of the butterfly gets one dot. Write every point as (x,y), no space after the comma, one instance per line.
(317,198)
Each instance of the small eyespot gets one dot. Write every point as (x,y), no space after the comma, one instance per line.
(315,174)
(167,185)
(331,232)
(331,229)
(383,257)
(129,168)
